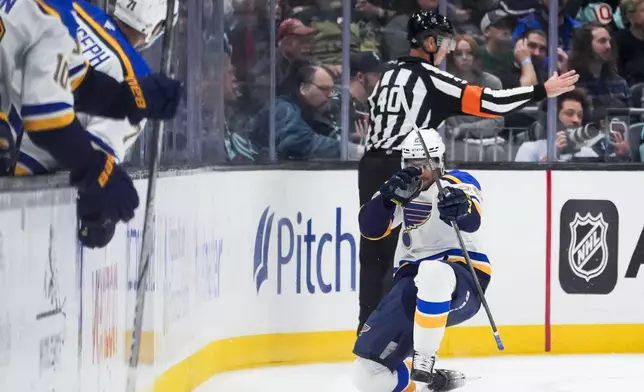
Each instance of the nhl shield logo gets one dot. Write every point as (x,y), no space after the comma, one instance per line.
(588,250)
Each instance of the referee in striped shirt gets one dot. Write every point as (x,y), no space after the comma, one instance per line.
(433,96)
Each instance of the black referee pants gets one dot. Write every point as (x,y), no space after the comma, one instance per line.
(376,257)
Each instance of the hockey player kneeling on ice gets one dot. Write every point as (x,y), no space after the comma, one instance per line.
(433,287)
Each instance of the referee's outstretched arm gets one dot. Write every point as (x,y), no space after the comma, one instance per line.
(459,97)
(434,95)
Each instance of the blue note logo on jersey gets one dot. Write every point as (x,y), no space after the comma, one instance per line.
(415,215)
(299,251)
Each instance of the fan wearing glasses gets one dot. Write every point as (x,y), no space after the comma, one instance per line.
(305,128)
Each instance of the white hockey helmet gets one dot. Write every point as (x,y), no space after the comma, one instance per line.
(413,152)
(148,17)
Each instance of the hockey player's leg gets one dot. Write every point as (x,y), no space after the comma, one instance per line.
(372,273)
(376,263)
(385,342)
(436,283)
(439,283)
(370,376)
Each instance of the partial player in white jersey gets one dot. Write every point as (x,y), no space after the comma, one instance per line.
(42,83)
(36,48)
(433,287)
(110,45)
(36,45)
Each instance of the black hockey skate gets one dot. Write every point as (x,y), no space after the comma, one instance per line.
(421,368)
(422,371)
(445,380)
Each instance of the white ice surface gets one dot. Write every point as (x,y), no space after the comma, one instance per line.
(584,373)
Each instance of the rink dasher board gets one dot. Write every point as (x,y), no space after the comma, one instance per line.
(247,273)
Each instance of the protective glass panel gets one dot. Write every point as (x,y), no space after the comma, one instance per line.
(266,83)
(309,66)
(485,55)
(247,82)
(599,121)
(215,85)
(173,153)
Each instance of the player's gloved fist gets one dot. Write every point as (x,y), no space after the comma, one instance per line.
(105,190)
(402,187)
(158,98)
(454,205)
(94,231)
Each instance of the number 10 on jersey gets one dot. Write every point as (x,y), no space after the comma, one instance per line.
(61,76)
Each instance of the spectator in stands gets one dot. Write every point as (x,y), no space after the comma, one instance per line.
(613,143)
(234,146)
(326,16)
(583,134)
(369,7)
(599,12)
(529,69)
(621,19)
(479,134)
(294,45)
(571,109)
(518,7)
(480,6)
(299,132)
(466,16)
(238,147)
(538,20)
(366,70)
(529,57)
(596,67)
(496,54)
(630,43)
(514,66)
(395,32)
(537,43)
(249,25)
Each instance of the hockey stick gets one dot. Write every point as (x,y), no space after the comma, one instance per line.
(441,191)
(150,213)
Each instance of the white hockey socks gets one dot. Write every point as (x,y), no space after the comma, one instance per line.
(436,283)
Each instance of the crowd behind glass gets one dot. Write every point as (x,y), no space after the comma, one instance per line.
(241,81)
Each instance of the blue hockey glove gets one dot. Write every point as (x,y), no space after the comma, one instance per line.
(160,98)
(105,191)
(402,187)
(454,205)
